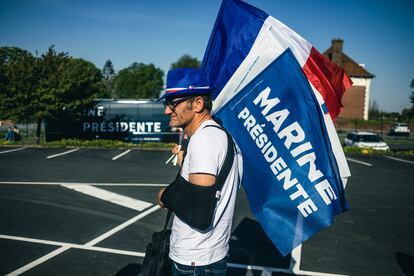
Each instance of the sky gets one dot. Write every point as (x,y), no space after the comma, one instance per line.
(377,33)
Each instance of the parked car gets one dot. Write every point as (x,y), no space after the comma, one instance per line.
(365,140)
(399,129)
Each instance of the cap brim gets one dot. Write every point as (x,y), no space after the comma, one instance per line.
(186,93)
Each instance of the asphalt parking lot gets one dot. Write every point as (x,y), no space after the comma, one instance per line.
(92,212)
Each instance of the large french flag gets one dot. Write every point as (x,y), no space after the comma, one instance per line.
(278,96)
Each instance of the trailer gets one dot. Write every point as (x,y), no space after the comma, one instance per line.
(132,121)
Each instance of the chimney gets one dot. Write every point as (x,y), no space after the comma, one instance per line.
(337,51)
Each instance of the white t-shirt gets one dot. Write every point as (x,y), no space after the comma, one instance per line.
(206,153)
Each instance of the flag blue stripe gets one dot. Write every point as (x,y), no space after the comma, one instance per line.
(234,33)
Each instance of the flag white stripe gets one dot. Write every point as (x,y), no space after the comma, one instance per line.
(272,40)
(337,150)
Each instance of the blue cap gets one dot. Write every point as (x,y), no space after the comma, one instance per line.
(184,82)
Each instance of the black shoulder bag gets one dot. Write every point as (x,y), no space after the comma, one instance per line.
(193,204)
(156,261)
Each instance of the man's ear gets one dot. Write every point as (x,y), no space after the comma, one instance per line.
(198,104)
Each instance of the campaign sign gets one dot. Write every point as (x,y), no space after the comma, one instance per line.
(290,173)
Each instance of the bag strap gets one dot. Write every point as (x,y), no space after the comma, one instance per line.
(167,219)
(228,162)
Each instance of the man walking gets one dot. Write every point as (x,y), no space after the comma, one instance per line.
(188,104)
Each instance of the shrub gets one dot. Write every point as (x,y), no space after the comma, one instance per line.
(106,144)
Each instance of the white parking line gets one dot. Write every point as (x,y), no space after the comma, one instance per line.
(115,198)
(93,184)
(74,245)
(122,226)
(89,244)
(6,151)
(39,261)
(63,153)
(399,159)
(268,270)
(122,154)
(65,246)
(359,162)
(295,259)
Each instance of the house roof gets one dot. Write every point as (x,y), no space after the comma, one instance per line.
(352,68)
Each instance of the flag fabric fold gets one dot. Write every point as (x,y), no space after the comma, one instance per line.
(277,95)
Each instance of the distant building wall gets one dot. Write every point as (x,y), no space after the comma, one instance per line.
(363,101)
(355,99)
(354,103)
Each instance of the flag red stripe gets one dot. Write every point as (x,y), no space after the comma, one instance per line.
(328,78)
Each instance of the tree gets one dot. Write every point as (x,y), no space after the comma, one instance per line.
(108,74)
(412,94)
(186,61)
(19,76)
(108,71)
(406,114)
(374,113)
(66,84)
(409,113)
(80,82)
(43,87)
(139,81)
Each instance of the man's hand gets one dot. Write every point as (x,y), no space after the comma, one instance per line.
(178,151)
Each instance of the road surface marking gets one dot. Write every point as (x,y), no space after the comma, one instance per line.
(39,261)
(77,183)
(267,270)
(63,153)
(87,245)
(399,159)
(112,197)
(74,245)
(359,162)
(122,226)
(6,151)
(66,246)
(122,154)
(296,259)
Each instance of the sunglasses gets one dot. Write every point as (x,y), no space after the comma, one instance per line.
(173,103)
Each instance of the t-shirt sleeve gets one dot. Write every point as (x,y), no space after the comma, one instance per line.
(205,154)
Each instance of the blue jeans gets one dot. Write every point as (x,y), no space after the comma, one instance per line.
(218,269)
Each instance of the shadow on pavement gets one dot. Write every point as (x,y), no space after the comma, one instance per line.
(129,270)
(406,262)
(249,245)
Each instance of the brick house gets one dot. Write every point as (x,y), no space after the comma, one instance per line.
(356,98)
